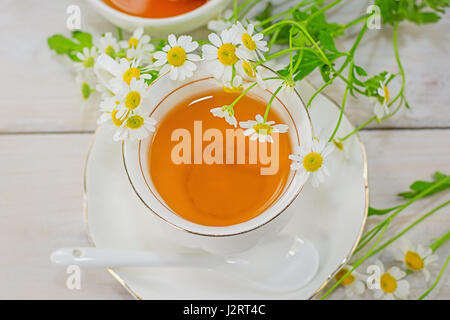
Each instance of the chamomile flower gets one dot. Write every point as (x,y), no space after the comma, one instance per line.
(177,58)
(416,259)
(87,58)
(286,85)
(113,112)
(312,163)
(353,283)
(250,72)
(381,108)
(252,46)
(132,96)
(109,45)
(221,54)
(112,73)
(139,46)
(262,130)
(226,112)
(234,85)
(137,126)
(391,284)
(87,81)
(223,22)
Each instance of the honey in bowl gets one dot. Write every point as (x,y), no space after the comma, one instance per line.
(220,193)
(155,8)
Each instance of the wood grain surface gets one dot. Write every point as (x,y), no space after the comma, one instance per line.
(45,134)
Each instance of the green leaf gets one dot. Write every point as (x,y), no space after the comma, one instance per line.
(416,11)
(84,39)
(380,212)
(418,186)
(60,44)
(327,41)
(360,71)
(299,16)
(265,13)
(70,46)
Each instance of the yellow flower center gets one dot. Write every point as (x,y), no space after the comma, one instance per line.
(85,90)
(338,144)
(313,161)
(227,54)
(349,280)
(232,89)
(386,94)
(130,74)
(88,62)
(135,122)
(248,42)
(132,100)
(118,121)
(176,56)
(110,51)
(388,283)
(263,129)
(248,69)
(133,43)
(413,261)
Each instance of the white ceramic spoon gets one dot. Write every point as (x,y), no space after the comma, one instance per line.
(282,263)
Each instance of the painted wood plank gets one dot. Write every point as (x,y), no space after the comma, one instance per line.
(41,206)
(39,93)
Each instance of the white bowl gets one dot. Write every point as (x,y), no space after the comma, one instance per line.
(162,26)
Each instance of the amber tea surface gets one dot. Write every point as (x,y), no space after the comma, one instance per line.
(155,8)
(216,194)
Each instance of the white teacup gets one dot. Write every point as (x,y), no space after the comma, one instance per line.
(162,26)
(165,94)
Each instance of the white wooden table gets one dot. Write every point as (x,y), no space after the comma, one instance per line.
(44,138)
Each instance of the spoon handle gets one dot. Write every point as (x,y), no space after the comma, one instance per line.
(102,258)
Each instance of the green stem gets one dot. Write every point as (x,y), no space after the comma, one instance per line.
(437,279)
(246,7)
(374,249)
(266,114)
(344,100)
(322,10)
(283,52)
(439,242)
(283,14)
(305,32)
(119,33)
(356,264)
(412,225)
(363,242)
(243,93)
(235,10)
(400,95)
(402,207)
(344,65)
(358,128)
(356,21)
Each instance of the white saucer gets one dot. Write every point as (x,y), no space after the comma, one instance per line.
(332,217)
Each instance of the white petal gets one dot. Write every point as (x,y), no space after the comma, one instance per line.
(214,39)
(358,287)
(431,259)
(378,294)
(397,273)
(402,290)
(282,128)
(427,274)
(248,131)
(172,40)
(424,251)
